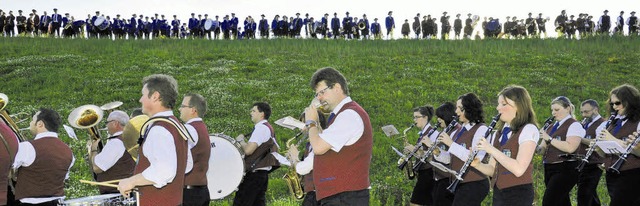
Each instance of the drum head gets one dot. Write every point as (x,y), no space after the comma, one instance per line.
(90,200)
(226,167)
(208,24)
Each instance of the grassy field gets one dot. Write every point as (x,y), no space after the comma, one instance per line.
(388,78)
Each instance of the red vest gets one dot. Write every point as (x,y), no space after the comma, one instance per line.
(591,134)
(170,194)
(503,178)
(347,170)
(122,169)
(45,176)
(6,157)
(632,160)
(553,154)
(466,140)
(201,153)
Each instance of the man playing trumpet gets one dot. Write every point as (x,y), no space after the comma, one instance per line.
(113,162)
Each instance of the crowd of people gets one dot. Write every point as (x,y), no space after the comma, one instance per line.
(295,26)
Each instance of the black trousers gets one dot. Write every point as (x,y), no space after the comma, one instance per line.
(310,199)
(521,195)
(623,187)
(423,190)
(588,185)
(559,179)
(471,193)
(195,196)
(441,196)
(351,198)
(253,189)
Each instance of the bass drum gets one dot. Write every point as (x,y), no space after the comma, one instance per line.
(208,24)
(101,23)
(106,199)
(226,166)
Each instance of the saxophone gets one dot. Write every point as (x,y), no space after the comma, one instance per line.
(291,177)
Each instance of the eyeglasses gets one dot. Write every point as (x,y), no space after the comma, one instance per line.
(322,91)
(183,106)
(618,103)
(417,117)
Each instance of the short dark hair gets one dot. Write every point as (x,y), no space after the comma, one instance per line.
(165,85)
(591,102)
(426,110)
(264,108)
(197,101)
(50,118)
(472,107)
(330,76)
(136,112)
(446,111)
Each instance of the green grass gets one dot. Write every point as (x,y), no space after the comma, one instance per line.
(388,78)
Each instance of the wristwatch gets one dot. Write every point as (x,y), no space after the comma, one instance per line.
(311,123)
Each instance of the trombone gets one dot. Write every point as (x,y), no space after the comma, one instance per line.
(8,119)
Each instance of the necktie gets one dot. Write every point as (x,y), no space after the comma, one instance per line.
(618,126)
(504,138)
(586,125)
(555,127)
(331,116)
(464,129)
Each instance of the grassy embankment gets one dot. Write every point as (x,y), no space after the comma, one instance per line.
(388,78)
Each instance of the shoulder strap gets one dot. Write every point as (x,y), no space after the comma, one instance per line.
(180,127)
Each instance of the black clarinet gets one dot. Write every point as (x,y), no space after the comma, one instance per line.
(418,163)
(585,160)
(615,168)
(429,152)
(547,124)
(465,166)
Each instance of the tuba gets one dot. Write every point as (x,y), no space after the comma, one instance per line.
(362,25)
(4,115)
(87,117)
(291,177)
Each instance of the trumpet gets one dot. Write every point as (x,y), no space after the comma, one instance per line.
(4,115)
(322,106)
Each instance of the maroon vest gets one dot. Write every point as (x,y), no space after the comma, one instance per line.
(632,160)
(45,176)
(591,134)
(6,157)
(439,174)
(348,170)
(263,151)
(122,169)
(466,140)
(553,154)
(170,194)
(307,182)
(201,153)
(503,178)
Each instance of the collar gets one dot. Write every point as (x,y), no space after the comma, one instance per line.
(118,133)
(596,118)
(46,134)
(261,122)
(425,128)
(468,125)
(342,103)
(563,120)
(164,114)
(194,120)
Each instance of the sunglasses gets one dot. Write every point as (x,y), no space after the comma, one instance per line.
(618,103)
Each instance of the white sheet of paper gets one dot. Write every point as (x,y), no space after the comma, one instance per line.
(610,147)
(290,122)
(70,131)
(390,130)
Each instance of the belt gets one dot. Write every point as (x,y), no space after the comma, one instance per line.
(194,186)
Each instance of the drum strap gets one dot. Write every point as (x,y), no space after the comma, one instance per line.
(180,127)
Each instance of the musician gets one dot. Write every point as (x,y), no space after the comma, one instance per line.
(343,151)
(475,186)
(619,24)
(375,29)
(405,29)
(234,25)
(485,28)
(571,28)
(263,27)
(416,25)
(43,163)
(354,28)
(561,141)
(559,23)
(134,26)
(604,23)
(193,24)
(56,19)
(2,21)
(131,131)
(422,117)
(632,21)
(9,25)
(36,22)
(203,30)
(67,22)
(580,25)
(306,22)
(118,27)
(29,25)
(113,162)
(531,26)
(446,26)
(390,24)
(468,27)
(512,149)
(625,100)
(347,26)
(216,28)
(92,30)
(148,27)
(44,23)
(21,21)
(335,25)
(259,159)
(541,22)
(457,26)
(590,25)
(225,27)
(275,28)
(425,26)
(444,117)
(324,25)
(297,25)
(163,152)
(590,174)
(7,155)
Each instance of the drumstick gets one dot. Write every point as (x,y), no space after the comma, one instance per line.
(111,181)
(99,183)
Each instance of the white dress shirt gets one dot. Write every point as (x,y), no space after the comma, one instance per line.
(529,133)
(261,134)
(161,151)
(575,129)
(305,166)
(618,117)
(434,135)
(26,155)
(110,154)
(192,131)
(462,152)
(346,129)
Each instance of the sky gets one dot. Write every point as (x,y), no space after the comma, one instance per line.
(402,9)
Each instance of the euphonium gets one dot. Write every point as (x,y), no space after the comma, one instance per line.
(361,25)
(291,177)
(4,115)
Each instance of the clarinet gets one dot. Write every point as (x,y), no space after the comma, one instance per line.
(418,163)
(585,160)
(615,168)
(465,166)
(429,152)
